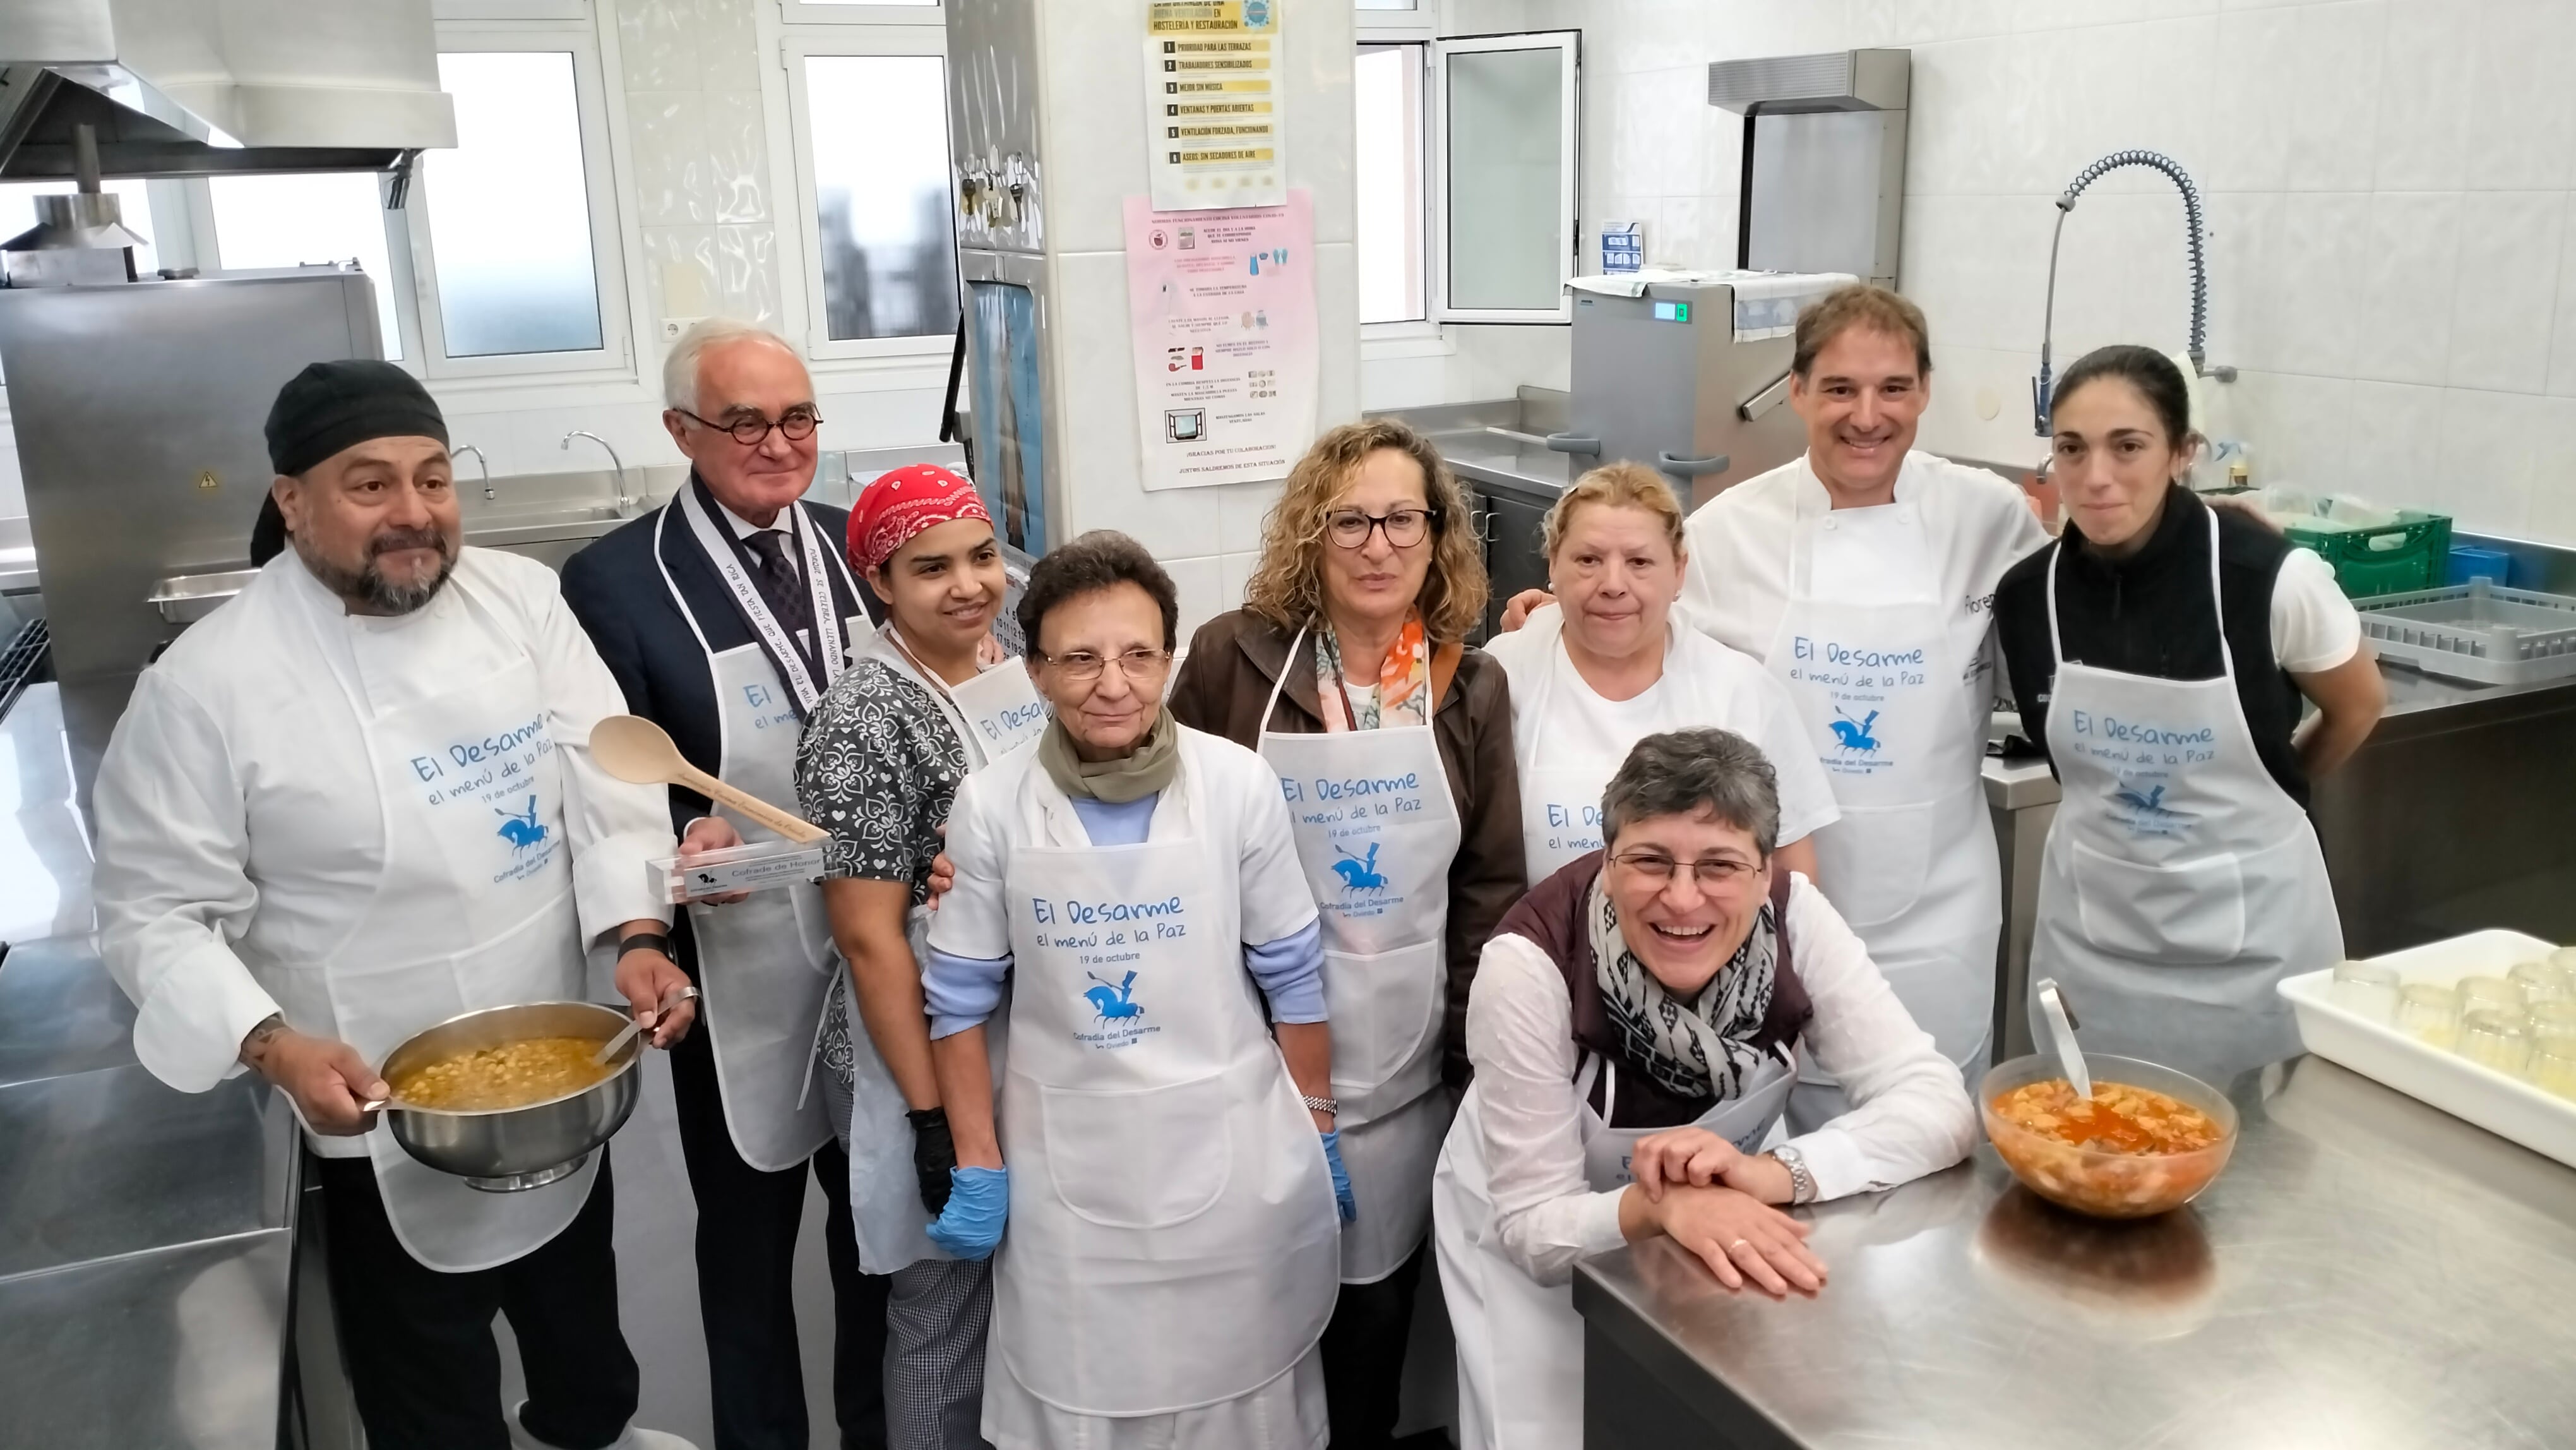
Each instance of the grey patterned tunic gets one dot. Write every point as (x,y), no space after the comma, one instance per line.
(878,768)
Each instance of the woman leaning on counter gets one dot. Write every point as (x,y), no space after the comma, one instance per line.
(1636,1027)
(1607,668)
(1172,1188)
(1347,671)
(2160,650)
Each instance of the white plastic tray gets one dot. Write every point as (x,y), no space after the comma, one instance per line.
(759,866)
(2478,631)
(2505,1106)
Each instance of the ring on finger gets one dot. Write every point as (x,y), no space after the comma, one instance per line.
(1739,1243)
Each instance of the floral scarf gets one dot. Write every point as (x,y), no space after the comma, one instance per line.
(1403,693)
(1692,1049)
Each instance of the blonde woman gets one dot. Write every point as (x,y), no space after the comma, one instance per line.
(1347,669)
(1606,669)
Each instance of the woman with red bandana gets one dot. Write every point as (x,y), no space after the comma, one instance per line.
(878,768)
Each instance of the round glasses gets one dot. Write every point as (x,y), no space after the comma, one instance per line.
(1082,666)
(1709,872)
(1350,529)
(753,430)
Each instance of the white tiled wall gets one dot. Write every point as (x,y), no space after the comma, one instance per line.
(2388,186)
(1095,156)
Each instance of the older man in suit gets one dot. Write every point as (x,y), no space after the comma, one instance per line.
(725,614)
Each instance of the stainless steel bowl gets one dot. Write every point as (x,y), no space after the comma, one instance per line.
(504,1150)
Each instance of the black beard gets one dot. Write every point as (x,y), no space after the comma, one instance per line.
(368,590)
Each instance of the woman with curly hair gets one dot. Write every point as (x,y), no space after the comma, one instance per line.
(1348,669)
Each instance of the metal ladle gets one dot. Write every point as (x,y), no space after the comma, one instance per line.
(2061,1029)
(639,752)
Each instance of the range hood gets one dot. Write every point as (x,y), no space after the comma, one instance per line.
(1794,85)
(211,87)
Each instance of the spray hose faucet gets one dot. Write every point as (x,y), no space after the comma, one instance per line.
(2195,237)
(626,508)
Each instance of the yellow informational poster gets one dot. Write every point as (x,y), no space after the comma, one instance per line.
(1212,73)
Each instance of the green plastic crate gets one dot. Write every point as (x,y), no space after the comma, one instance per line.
(2412,553)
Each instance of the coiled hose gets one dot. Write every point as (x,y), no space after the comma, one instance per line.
(2196,240)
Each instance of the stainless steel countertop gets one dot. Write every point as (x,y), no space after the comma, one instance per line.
(145,1238)
(2368,1272)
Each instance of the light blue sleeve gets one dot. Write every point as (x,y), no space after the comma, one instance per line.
(1291,973)
(961,992)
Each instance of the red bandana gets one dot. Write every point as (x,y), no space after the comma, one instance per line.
(902,503)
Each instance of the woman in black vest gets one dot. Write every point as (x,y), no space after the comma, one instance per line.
(1636,1025)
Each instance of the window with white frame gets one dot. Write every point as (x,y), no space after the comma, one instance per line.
(867,107)
(1465,172)
(504,258)
(1387,90)
(1504,142)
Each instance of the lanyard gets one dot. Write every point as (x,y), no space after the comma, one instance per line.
(806,674)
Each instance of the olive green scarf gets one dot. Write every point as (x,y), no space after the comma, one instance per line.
(1133,776)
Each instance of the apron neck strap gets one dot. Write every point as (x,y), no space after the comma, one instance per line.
(1270,706)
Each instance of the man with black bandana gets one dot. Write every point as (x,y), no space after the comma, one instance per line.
(352,803)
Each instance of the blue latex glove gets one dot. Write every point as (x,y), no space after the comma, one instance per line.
(1341,1177)
(979,1199)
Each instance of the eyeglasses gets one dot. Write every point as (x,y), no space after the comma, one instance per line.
(1712,872)
(1350,529)
(1082,666)
(752,431)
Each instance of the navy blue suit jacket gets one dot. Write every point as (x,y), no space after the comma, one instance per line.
(618,592)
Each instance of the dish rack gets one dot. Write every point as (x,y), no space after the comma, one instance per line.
(2478,631)
(2503,1105)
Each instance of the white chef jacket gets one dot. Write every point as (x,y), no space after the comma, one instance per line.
(1758,708)
(1737,585)
(1912,1115)
(240,833)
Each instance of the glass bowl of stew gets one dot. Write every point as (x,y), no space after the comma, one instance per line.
(2149,1140)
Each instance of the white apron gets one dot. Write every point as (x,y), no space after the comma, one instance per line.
(1520,1343)
(474,909)
(993,713)
(1173,1238)
(1898,723)
(2180,881)
(1376,830)
(764,964)
(1562,775)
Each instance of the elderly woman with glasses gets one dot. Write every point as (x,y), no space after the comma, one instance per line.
(1168,1209)
(1636,1027)
(1347,669)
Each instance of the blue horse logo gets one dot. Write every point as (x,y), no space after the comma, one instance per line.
(1114,1004)
(1854,734)
(1359,873)
(2150,804)
(523,831)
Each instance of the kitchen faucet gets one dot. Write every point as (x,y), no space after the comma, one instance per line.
(2195,238)
(480,462)
(626,508)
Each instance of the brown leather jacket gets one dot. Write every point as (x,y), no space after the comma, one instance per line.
(1235,659)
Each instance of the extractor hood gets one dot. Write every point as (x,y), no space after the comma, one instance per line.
(204,87)
(1837,80)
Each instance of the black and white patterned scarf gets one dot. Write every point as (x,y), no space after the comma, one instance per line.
(1695,1049)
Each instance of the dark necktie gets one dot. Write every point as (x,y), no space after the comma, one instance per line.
(778,582)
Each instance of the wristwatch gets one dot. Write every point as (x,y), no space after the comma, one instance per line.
(644,940)
(1802,1184)
(1314,1104)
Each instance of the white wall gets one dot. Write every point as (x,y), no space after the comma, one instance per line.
(2388,185)
(1096,145)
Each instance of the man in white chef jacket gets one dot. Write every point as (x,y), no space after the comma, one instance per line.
(1864,575)
(724,615)
(352,803)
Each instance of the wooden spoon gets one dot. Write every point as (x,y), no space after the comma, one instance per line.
(637,751)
